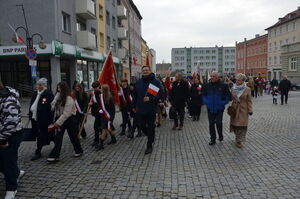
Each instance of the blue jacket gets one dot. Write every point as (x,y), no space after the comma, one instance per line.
(216,96)
(141,86)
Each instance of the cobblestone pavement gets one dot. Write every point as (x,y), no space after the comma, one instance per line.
(182,164)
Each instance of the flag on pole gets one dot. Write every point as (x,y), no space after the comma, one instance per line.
(152,89)
(148,61)
(108,76)
(18,38)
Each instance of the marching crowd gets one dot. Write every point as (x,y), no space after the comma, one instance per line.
(143,107)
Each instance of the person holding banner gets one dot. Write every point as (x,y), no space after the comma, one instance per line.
(107,112)
(126,101)
(145,101)
(81,102)
(95,108)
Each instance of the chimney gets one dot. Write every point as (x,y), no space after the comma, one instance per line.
(257,35)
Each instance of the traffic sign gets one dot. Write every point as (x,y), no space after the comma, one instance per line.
(30,54)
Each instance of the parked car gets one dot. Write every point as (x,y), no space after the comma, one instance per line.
(295,87)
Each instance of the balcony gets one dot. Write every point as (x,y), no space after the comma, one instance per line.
(86,39)
(122,33)
(122,53)
(121,12)
(85,9)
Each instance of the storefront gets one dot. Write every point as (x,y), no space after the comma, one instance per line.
(58,62)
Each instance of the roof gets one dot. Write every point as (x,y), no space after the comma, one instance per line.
(287,18)
(135,9)
(253,39)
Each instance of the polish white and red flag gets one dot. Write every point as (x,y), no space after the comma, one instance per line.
(18,38)
(152,89)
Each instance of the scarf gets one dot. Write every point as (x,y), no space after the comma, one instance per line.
(239,90)
(34,106)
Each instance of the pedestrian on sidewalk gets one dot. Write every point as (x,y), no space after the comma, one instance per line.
(94,102)
(126,104)
(215,95)
(250,84)
(10,138)
(64,107)
(81,104)
(242,104)
(284,88)
(107,112)
(178,98)
(196,99)
(145,101)
(41,116)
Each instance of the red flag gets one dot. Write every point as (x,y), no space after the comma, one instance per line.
(108,77)
(19,39)
(134,60)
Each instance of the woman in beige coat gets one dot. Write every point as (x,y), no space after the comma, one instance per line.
(242,103)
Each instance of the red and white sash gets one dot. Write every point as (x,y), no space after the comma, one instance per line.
(121,93)
(78,109)
(130,99)
(103,109)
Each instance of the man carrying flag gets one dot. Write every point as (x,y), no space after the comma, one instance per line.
(145,101)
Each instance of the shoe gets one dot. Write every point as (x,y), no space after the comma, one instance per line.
(149,149)
(100,145)
(197,118)
(221,138)
(76,155)
(239,145)
(21,174)
(36,157)
(112,140)
(131,135)
(212,143)
(10,195)
(52,160)
(95,144)
(122,133)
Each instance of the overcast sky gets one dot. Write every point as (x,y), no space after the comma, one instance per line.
(169,24)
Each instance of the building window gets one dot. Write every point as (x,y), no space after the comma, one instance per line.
(213,51)
(201,52)
(101,12)
(275,45)
(207,57)
(80,26)
(280,30)
(294,25)
(207,51)
(287,41)
(101,36)
(287,27)
(66,22)
(115,45)
(107,43)
(213,57)
(270,47)
(275,60)
(107,18)
(275,32)
(293,64)
(113,22)
(270,60)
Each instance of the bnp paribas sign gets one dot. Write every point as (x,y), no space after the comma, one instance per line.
(20,50)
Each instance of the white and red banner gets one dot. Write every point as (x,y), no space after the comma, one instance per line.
(152,89)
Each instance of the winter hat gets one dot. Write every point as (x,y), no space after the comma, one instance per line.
(42,81)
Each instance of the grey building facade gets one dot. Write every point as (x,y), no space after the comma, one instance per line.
(68,29)
(221,59)
(291,62)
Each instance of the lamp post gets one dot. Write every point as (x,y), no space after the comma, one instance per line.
(29,43)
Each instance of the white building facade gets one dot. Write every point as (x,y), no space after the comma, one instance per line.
(221,59)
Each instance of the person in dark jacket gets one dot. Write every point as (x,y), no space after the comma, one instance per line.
(41,116)
(10,138)
(284,88)
(126,103)
(215,95)
(107,112)
(134,117)
(178,98)
(146,96)
(196,99)
(94,102)
(81,103)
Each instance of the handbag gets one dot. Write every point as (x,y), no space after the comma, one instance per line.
(28,135)
(231,111)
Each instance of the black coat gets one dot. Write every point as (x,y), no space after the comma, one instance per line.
(44,113)
(285,86)
(82,102)
(128,105)
(95,108)
(179,94)
(195,97)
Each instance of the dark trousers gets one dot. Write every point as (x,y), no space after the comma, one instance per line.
(147,125)
(71,126)
(179,116)
(97,129)
(43,137)
(215,119)
(9,162)
(125,120)
(252,93)
(284,96)
(79,120)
